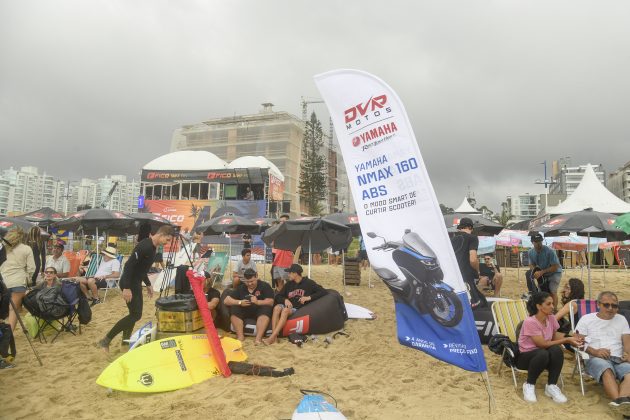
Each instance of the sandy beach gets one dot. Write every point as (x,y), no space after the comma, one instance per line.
(369,373)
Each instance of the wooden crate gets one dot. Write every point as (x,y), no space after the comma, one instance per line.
(352,271)
(179,321)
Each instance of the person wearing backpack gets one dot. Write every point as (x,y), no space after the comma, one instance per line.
(17,270)
(134,274)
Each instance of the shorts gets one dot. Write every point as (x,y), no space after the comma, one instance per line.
(279,273)
(101,284)
(554,282)
(17,289)
(250,312)
(596,367)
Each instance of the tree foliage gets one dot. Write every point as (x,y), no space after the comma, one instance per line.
(445,209)
(312,169)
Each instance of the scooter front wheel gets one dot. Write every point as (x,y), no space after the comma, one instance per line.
(446,308)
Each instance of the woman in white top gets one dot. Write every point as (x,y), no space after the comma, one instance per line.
(17,270)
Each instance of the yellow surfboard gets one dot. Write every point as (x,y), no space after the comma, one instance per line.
(168,364)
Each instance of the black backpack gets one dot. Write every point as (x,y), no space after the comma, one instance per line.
(84,311)
(30,303)
(5,299)
(7,342)
(70,291)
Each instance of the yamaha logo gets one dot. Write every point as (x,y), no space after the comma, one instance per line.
(146,379)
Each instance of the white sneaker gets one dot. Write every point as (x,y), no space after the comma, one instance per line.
(555,394)
(529,393)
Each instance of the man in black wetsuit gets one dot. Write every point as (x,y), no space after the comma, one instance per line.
(465,245)
(133,275)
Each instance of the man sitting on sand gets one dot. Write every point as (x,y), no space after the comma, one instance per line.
(245,263)
(298,292)
(607,338)
(252,299)
(109,268)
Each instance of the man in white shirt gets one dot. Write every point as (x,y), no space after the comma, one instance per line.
(245,263)
(109,268)
(59,261)
(607,338)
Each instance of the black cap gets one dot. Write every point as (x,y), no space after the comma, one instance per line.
(537,237)
(465,222)
(249,273)
(295,268)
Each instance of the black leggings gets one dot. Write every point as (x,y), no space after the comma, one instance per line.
(536,361)
(135,314)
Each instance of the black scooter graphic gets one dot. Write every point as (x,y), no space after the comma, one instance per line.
(422,288)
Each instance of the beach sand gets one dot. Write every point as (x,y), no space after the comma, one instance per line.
(369,374)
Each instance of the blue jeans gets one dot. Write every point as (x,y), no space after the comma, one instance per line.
(596,367)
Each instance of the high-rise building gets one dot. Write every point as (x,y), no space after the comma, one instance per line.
(277,136)
(5,190)
(619,182)
(566,178)
(521,207)
(29,190)
(96,193)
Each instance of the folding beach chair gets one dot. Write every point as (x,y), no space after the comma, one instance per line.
(584,307)
(113,283)
(92,267)
(217,264)
(507,314)
(59,313)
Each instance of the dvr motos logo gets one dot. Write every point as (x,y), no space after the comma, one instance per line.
(372,108)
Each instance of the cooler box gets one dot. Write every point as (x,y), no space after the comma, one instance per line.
(178,313)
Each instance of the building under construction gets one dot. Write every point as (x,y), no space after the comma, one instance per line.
(277,136)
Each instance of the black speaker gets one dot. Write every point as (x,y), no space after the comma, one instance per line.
(286,206)
(273,207)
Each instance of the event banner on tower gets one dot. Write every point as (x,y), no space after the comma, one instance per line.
(400,217)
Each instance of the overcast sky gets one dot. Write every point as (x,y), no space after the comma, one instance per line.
(492,88)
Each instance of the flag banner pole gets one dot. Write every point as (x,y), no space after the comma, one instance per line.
(492,407)
(196,284)
(404,230)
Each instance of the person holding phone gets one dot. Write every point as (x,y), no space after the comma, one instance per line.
(607,338)
(252,299)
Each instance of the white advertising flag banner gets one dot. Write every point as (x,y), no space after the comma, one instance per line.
(403,227)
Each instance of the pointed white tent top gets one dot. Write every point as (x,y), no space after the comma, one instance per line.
(591,193)
(465,207)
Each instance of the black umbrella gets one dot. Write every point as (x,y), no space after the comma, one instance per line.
(228,224)
(43,217)
(8,223)
(346,219)
(481,225)
(153,220)
(585,223)
(94,220)
(264,223)
(311,233)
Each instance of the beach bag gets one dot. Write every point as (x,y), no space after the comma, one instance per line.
(51,303)
(7,341)
(84,311)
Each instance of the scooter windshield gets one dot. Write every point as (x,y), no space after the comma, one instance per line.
(413,241)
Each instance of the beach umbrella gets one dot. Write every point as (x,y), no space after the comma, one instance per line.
(348,219)
(623,223)
(8,223)
(43,217)
(153,220)
(481,225)
(95,220)
(587,223)
(264,223)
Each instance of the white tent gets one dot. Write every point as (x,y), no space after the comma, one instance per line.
(256,162)
(591,194)
(465,207)
(190,160)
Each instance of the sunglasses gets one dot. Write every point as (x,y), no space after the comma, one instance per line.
(609,305)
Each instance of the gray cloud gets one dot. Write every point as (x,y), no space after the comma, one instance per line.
(492,88)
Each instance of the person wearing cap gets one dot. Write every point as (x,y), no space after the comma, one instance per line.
(252,299)
(109,268)
(544,263)
(465,245)
(297,292)
(59,261)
